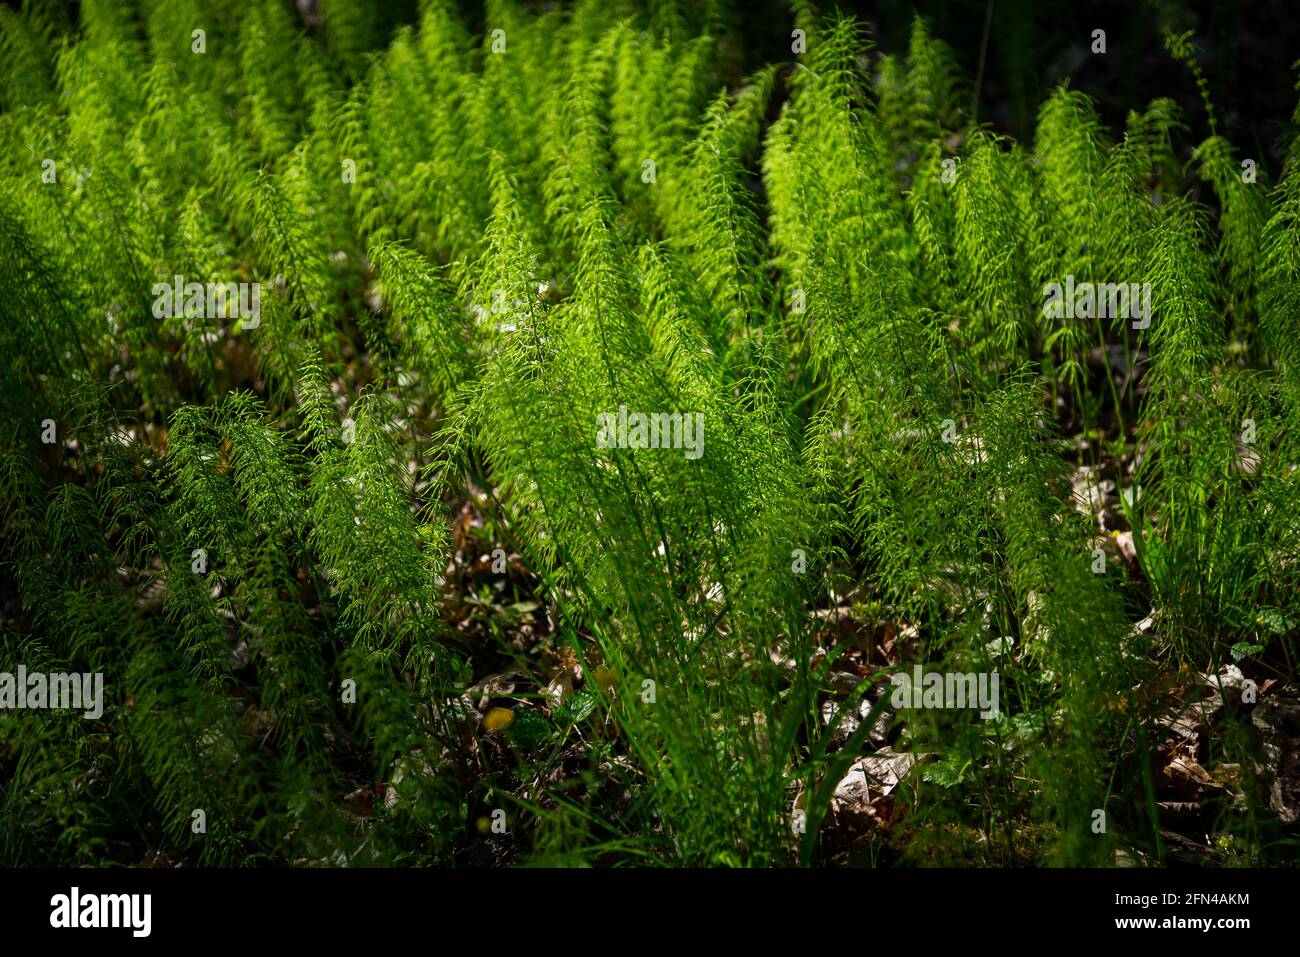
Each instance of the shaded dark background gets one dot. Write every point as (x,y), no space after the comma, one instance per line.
(1249,57)
(1249,54)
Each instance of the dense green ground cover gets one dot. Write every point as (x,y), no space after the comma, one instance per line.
(367,583)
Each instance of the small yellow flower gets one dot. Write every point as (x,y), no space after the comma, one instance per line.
(498,719)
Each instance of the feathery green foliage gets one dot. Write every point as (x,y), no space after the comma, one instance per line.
(310,546)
